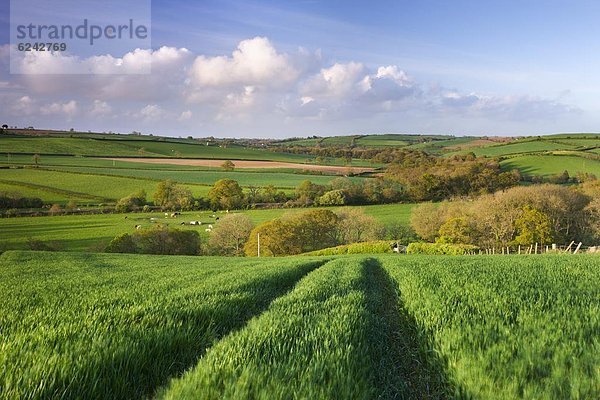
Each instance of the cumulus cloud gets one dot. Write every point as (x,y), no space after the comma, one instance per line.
(23,106)
(68,109)
(185,115)
(256,82)
(254,62)
(107,77)
(100,108)
(151,111)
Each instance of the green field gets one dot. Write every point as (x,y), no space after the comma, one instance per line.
(92,185)
(209,177)
(109,146)
(98,326)
(546,165)
(90,232)
(358,327)
(93,188)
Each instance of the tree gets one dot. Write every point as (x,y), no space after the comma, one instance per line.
(295,234)
(456,231)
(171,196)
(307,192)
(157,240)
(426,219)
(533,227)
(226,194)
(133,202)
(275,240)
(228,165)
(333,198)
(355,226)
(230,234)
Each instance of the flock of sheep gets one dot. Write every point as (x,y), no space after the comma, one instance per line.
(175,214)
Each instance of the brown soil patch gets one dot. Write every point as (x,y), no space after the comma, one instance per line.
(245,164)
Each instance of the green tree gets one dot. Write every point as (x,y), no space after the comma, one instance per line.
(533,227)
(356,226)
(226,194)
(456,231)
(133,202)
(157,240)
(333,198)
(171,196)
(299,233)
(230,234)
(307,192)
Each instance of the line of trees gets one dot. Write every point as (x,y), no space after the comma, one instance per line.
(227,194)
(541,214)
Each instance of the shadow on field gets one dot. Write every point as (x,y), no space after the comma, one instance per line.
(149,355)
(408,366)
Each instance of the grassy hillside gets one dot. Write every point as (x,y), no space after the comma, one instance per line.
(390,326)
(547,165)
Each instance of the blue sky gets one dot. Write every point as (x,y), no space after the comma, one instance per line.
(298,68)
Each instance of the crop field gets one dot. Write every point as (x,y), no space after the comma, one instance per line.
(90,232)
(547,165)
(97,188)
(356,327)
(99,326)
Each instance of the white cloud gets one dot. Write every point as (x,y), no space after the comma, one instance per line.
(256,85)
(151,111)
(185,115)
(100,108)
(23,106)
(254,62)
(68,109)
(108,77)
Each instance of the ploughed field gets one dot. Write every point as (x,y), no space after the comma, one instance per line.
(76,325)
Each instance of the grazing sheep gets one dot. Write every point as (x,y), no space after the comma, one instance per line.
(210,227)
(138,227)
(183,223)
(216,219)
(208,230)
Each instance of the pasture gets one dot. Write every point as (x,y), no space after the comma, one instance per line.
(547,165)
(380,326)
(90,232)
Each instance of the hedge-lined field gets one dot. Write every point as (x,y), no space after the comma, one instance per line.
(387,326)
(90,232)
